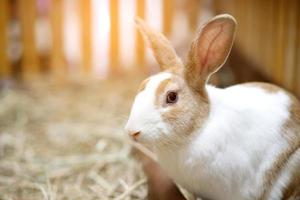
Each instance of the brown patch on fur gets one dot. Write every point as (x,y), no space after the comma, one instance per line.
(273,174)
(197,114)
(291,131)
(143,85)
(270,88)
(190,103)
(160,89)
(292,191)
(189,113)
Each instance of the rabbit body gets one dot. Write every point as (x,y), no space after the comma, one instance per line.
(238,143)
(231,155)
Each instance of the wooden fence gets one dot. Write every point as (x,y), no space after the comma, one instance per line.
(27,13)
(269,37)
(268,34)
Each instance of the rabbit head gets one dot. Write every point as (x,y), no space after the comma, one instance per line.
(172,104)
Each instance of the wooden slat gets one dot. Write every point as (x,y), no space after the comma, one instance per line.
(249,25)
(297,67)
(4,62)
(114,37)
(259,43)
(140,46)
(280,42)
(168,14)
(266,32)
(251,30)
(27,10)
(239,14)
(57,65)
(291,44)
(270,43)
(269,37)
(86,35)
(193,10)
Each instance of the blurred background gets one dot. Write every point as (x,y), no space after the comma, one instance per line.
(66,38)
(69,70)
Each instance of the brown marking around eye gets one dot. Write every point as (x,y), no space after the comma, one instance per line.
(185,110)
(197,113)
(160,89)
(143,85)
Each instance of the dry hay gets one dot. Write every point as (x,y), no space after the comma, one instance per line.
(66,141)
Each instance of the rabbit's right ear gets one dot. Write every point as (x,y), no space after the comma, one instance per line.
(210,50)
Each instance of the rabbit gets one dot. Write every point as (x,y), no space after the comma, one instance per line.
(241,142)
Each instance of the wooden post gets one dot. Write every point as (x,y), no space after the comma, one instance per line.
(168,13)
(4,62)
(270,33)
(280,43)
(297,49)
(264,39)
(27,10)
(86,35)
(290,51)
(57,63)
(140,46)
(114,36)
(257,34)
(269,36)
(248,25)
(193,10)
(239,17)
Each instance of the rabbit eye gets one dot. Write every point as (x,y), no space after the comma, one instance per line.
(172,97)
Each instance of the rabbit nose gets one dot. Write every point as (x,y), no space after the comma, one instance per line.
(134,134)
(132,131)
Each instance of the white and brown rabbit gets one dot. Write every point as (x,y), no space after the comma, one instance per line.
(242,142)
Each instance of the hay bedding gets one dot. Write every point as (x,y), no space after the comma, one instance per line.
(67,141)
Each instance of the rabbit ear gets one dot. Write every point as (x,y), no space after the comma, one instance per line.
(210,50)
(162,49)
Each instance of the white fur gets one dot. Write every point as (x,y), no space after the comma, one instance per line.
(239,141)
(228,157)
(143,116)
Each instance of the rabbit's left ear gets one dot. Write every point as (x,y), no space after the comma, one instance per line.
(209,50)
(162,49)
